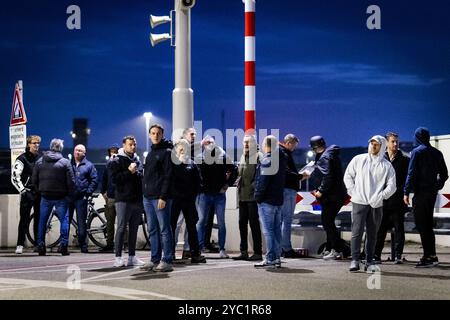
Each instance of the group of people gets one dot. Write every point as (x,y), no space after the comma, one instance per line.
(192,178)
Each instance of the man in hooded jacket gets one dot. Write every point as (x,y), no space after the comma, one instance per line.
(369,179)
(427,174)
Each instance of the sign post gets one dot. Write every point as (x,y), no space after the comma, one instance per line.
(18,128)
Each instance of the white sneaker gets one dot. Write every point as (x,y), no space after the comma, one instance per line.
(118,262)
(19,249)
(134,261)
(223,255)
(164,267)
(333,255)
(148,266)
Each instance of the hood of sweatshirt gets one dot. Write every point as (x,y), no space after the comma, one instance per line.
(52,156)
(422,136)
(163,144)
(383,142)
(123,154)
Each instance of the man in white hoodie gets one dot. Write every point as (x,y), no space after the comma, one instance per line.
(369,180)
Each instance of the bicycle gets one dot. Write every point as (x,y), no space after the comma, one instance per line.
(96,227)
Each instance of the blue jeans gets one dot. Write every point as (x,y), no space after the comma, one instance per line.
(287,211)
(270,217)
(80,206)
(205,202)
(160,232)
(62,214)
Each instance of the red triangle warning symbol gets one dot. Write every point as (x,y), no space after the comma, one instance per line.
(298,198)
(18,115)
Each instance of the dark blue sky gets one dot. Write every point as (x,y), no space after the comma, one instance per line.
(319,69)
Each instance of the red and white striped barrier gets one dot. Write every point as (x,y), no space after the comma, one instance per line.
(250,83)
(307,199)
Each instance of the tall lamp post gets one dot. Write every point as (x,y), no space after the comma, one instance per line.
(147,116)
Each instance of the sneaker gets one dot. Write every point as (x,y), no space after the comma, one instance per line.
(19,250)
(425,263)
(198,259)
(186,255)
(164,267)
(265,264)
(371,267)
(376,260)
(398,260)
(333,255)
(84,250)
(242,256)
(118,262)
(148,266)
(42,250)
(354,266)
(277,263)
(223,255)
(64,251)
(435,261)
(134,261)
(255,257)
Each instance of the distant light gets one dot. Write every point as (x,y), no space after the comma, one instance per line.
(107,158)
(145,154)
(88,131)
(74,135)
(147,115)
(310,154)
(69,156)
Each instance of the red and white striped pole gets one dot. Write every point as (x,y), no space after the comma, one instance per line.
(249,66)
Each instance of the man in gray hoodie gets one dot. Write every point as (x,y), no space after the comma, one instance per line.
(369,179)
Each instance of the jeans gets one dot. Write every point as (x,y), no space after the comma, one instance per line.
(287,211)
(423,210)
(205,202)
(270,217)
(392,218)
(29,200)
(365,216)
(127,213)
(160,231)
(61,212)
(81,206)
(248,213)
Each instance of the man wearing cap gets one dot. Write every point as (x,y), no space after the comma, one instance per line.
(369,179)
(427,174)
(330,192)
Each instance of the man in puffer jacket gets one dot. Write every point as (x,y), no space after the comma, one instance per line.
(427,174)
(53,177)
(369,180)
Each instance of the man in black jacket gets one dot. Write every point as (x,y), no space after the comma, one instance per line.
(427,173)
(21,177)
(53,178)
(158,200)
(218,173)
(394,208)
(127,176)
(330,192)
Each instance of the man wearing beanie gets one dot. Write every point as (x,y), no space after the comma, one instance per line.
(369,179)
(427,174)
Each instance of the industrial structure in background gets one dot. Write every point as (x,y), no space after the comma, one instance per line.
(80,132)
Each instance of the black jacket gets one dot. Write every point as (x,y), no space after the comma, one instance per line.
(329,175)
(269,186)
(158,171)
(108,185)
(217,170)
(22,173)
(427,171)
(53,176)
(292,176)
(186,180)
(128,185)
(400,164)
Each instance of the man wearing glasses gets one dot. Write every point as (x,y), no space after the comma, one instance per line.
(29,198)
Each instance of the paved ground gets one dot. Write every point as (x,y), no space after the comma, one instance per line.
(54,277)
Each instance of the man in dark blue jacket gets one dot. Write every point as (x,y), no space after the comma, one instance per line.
(427,173)
(53,178)
(330,192)
(157,184)
(86,182)
(269,190)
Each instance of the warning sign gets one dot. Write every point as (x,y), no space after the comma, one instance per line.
(18,137)
(18,115)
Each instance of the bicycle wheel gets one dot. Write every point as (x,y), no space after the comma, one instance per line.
(30,229)
(143,234)
(96,227)
(52,233)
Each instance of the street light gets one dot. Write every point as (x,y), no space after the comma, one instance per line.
(309,156)
(147,116)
